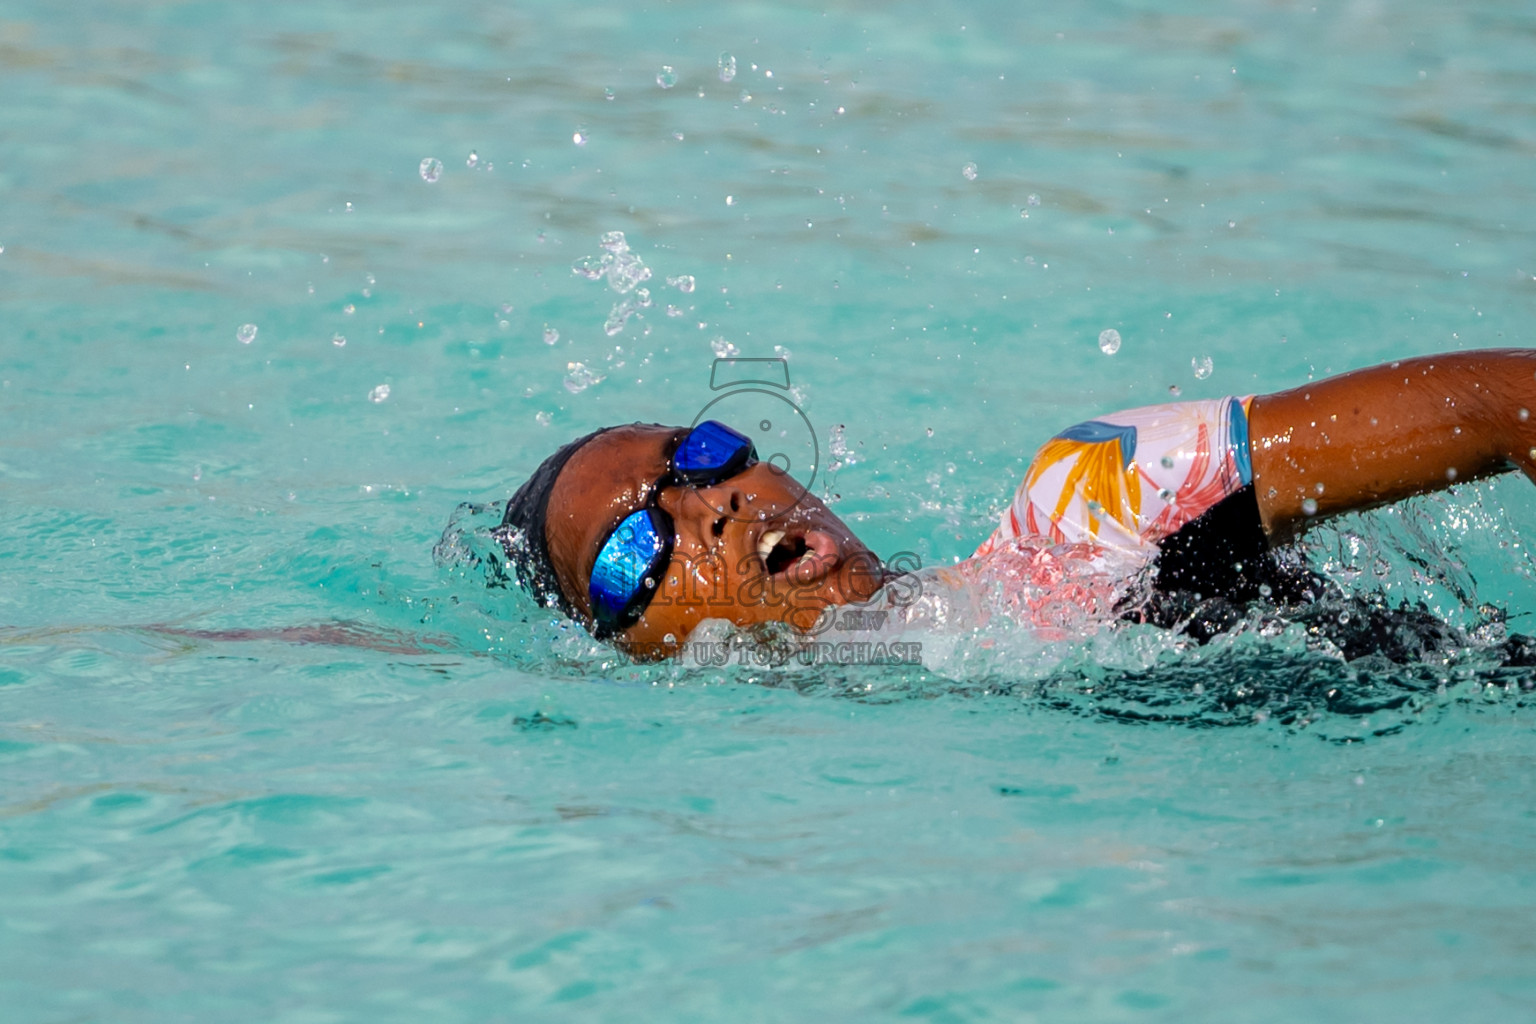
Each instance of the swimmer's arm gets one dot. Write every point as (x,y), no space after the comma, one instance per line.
(1385,433)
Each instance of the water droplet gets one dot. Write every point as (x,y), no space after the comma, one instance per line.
(837,446)
(1450,473)
(551,335)
(1109,341)
(682,282)
(578,378)
(338,340)
(930,431)
(730,200)
(727,64)
(1033,200)
(542,418)
(1524,415)
(1166,495)
(1167,461)
(473,161)
(1202,366)
(379,394)
(431,169)
(348,309)
(1174,390)
(969,172)
(1264,590)
(1309,506)
(666,77)
(246,334)
(723,349)
(579,137)
(746,97)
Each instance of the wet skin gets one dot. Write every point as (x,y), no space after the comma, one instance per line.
(717,570)
(1384,433)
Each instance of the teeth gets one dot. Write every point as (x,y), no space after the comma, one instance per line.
(766,542)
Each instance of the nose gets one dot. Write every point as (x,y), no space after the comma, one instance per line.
(703,511)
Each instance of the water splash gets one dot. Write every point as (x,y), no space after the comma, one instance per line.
(627,307)
(838,448)
(578,377)
(1373,655)
(623,267)
(624,271)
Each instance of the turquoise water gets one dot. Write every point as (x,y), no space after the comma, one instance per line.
(263,760)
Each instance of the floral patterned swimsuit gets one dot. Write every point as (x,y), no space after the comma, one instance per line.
(1132,479)
(1169,486)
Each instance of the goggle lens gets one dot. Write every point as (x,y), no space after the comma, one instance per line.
(637,551)
(712,452)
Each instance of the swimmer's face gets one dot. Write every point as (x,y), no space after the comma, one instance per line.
(753,548)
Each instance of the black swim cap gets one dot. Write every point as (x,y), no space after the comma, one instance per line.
(522,530)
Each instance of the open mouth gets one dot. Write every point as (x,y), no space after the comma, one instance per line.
(780,551)
(797,554)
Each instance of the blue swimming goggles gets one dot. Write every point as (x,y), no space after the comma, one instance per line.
(633,557)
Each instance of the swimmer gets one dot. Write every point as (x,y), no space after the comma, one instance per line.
(640,532)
